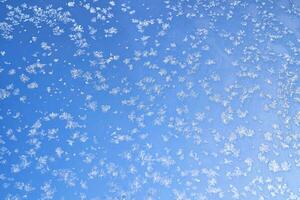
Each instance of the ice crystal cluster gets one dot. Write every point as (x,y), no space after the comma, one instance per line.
(149,99)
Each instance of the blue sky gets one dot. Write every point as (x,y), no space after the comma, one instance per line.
(149,100)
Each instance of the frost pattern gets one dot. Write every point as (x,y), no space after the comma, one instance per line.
(149,99)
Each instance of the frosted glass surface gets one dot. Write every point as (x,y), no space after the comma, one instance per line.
(149,99)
